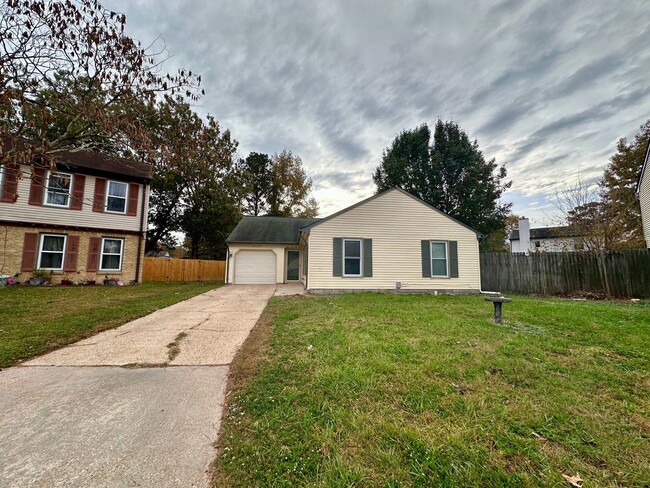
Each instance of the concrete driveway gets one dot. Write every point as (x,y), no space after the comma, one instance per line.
(75,417)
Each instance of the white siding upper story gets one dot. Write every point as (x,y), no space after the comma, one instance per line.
(396,223)
(22,211)
(644,199)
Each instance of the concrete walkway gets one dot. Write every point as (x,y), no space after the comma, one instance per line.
(74,418)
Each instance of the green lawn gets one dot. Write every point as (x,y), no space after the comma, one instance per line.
(395,390)
(35,320)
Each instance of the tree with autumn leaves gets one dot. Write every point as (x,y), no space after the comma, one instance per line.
(610,218)
(71,79)
(70,66)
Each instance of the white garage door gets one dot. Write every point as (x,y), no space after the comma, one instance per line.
(254,267)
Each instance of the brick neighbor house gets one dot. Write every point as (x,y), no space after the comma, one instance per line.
(84,221)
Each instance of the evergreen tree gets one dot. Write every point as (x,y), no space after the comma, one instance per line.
(451,175)
(257,179)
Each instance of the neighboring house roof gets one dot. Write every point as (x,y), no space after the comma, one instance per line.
(643,168)
(396,188)
(547,233)
(94,162)
(269,230)
(104,164)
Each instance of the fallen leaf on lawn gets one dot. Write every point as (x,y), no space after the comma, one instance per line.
(574,480)
(461,389)
(541,438)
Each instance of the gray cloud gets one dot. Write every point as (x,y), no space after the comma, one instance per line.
(545,87)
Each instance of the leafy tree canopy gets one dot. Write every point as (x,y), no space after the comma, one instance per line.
(276,186)
(608,215)
(69,63)
(257,178)
(449,173)
(194,188)
(619,189)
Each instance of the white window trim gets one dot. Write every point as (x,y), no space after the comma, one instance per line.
(126,198)
(360,258)
(101,255)
(2,176)
(446,258)
(40,251)
(47,189)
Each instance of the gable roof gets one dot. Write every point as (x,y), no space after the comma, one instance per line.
(269,230)
(547,233)
(643,168)
(395,188)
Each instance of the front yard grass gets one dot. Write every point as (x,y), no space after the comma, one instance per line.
(35,320)
(397,390)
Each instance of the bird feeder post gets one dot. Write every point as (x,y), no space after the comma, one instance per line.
(498,304)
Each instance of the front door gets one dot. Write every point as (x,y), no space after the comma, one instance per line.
(293,265)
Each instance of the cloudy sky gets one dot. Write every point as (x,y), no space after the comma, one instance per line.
(546,88)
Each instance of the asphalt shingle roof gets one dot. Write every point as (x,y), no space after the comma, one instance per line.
(269,230)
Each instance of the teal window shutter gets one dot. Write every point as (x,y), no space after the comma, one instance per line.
(337,261)
(367,258)
(426,259)
(453,259)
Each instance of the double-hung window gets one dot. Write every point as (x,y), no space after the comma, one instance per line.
(52,249)
(439,259)
(352,257)
(116,197)
(111,256)
(58,189)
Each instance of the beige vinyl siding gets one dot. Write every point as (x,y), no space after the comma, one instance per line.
(21,211)
(278,249)
(644,198)
(397,224)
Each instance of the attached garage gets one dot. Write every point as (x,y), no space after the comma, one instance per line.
(255,267)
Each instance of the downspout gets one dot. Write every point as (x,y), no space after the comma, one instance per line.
(225,281)
(306,245)
(141,235)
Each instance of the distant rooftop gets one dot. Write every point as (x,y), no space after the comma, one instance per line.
(105,164)
(547,233)
(269,230)
(91,160)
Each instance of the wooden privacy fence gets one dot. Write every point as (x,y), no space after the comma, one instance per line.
(162,269)
(615,273)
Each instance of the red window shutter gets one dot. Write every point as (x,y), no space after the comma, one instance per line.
(78,186)
(134,190)
(93,254)
(10,183)
(100,195)
(71,254)
(30,250)
(37,187)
